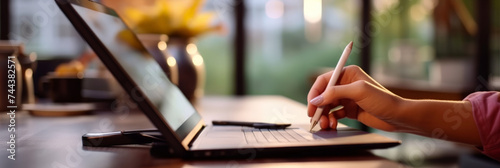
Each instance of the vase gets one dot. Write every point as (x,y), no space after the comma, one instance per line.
(156,44)
(190,65)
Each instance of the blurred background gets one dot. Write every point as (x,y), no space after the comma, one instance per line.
(419,49)
(440,49)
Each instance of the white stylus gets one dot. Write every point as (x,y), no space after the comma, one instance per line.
(333,81)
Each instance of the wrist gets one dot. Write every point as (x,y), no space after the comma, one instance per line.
(410,116)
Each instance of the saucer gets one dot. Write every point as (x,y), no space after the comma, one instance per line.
(59,109)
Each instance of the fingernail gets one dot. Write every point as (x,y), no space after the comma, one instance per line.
(317,100)
(331,124)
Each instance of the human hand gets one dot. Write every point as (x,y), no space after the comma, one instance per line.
(362,97)
(370,103)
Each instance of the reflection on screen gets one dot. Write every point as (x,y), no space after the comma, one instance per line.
(139,65)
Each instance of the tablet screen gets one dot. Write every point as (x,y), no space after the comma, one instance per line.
(142,68)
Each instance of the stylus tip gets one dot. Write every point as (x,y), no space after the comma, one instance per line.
(312,125)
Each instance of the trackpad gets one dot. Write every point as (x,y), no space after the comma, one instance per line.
(225,132)
(220,137)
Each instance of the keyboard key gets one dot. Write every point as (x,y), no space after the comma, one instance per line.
(269,136)
(307,135)
(259,136)
(278,136)
(295,135)
(287,136)
(250,137)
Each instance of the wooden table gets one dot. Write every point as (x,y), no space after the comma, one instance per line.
(55,142)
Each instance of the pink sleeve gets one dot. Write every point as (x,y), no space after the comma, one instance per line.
(486,112)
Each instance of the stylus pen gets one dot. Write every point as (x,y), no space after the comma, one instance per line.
(253,124)
(333,80)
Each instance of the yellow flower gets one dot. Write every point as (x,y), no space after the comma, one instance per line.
(128,37)
(172,17)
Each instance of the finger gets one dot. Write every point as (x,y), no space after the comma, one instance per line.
(351,108)
(319,85)
(326,108)
(332,120)
(317,88)
(324,122)
(334,116)
(354,91)
(311,109)
(339,114)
